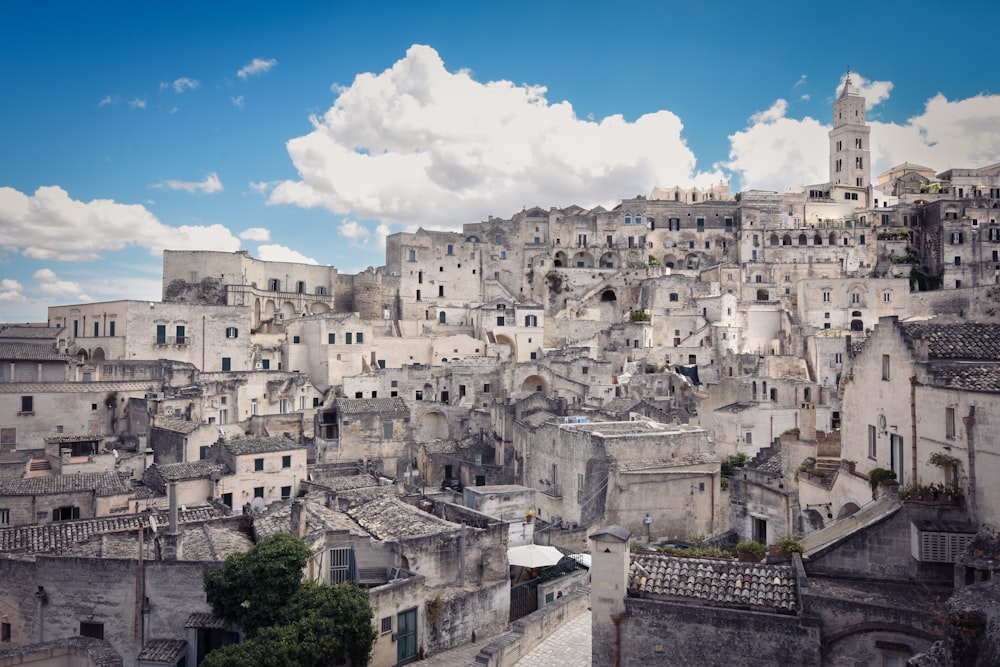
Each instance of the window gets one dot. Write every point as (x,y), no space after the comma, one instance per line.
(534,355)
(826,297)
(994,235)
(348,338)
(413,255)
(838,358)
(286,492)
(93,630)
(638,218)
(258,465)
(949,423)
(4,517)
(674,296)
(958,260)
(265,364)
(296,340)
(227,364)
(418,395)
(331,339)
(340,565)
(856,298)
(111,328)
(418,295)
(957,238)
(97,329)
(839,165)
(387,430)
(451,249)
(320,290)
(872,442)
(203,452)
(885,367)
(700,223)
(887,296)
(27,405)
(360,337)
(440,290)
(674,224)
(232,332)
(300,287)
(286,461)
(65,513)
(161,334)
(486,388)
(4,632)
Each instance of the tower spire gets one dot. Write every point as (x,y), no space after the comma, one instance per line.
(848,84)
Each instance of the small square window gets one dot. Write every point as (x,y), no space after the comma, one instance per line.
(4,632)
(258,465)
(387,625)
(258,492)
(286,492)
(93,630)
(286,461)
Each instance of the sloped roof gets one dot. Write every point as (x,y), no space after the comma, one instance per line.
(41,538)
(974,378)
(715,582)
(352,406)
(176,425)
(30,352)
(973,341)
(277,517)
(163,650)
(28,331)
(102,483)
(388,518)
(260,445)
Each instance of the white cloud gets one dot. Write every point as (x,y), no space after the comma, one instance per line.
(237,101)
(262,187)
(418,144)
(49,283)
(137,103)
(183,84)
(256,66)
(256,234)
(50,225)
(280,253)
(776,152)
(210,185)
(776,111)
(354,231)
(10,290)
(803,79)
(874,92)
(106,100)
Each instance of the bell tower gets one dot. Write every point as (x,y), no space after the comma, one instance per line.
(850,151)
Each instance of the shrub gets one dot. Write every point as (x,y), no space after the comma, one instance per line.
(789,544)
(752,548)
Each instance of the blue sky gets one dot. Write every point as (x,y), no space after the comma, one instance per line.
(308,132)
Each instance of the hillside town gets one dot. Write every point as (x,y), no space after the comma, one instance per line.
(653,388)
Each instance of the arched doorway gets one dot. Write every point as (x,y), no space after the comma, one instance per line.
(560,260)
(608,260)
(583,260)
(857,325)
(98,354)
(608,295)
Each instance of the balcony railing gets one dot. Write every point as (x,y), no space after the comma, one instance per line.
(173,340)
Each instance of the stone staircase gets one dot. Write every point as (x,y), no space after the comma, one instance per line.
(841,528)
(39,468)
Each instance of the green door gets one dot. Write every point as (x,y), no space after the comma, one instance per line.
(406,637)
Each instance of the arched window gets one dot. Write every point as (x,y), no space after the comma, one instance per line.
(628,219)
(442,317)
(638,218)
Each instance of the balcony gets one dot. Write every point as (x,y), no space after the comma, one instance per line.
(182,341)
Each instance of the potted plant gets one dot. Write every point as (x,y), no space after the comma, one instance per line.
(750,551)
(880,476)
(789,544)
(529,516)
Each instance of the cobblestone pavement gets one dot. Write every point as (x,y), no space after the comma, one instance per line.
(569,646)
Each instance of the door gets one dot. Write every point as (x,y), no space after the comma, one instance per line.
(406,636)
(896,454)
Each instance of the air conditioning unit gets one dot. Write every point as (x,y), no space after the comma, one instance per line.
(154,396)
(258,366)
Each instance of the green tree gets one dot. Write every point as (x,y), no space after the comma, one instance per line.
(289,623)
(254,587)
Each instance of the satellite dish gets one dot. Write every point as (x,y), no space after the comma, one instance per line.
(881,423)
(114,452)
(257,505)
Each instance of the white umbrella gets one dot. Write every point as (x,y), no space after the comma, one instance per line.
(534,555)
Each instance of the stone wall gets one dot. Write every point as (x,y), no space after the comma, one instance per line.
(658,633)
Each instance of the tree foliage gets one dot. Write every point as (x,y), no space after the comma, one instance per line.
(289,623)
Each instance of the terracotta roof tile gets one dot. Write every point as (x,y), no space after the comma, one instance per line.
(261,445)
(965,340)
(163,650)
(102,483)
(719,582)
(351,406)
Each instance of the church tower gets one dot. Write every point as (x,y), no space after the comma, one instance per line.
(850,151)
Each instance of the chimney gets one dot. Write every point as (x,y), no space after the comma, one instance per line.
(807,422)
(171,539)
(298,526)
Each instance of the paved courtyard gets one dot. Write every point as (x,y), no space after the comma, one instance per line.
(569,645)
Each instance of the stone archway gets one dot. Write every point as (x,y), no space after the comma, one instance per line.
(847,509)
(560,260)
(608,261)
(535,383)
(434,426)
(609,295)
(98,355)
(583,260)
